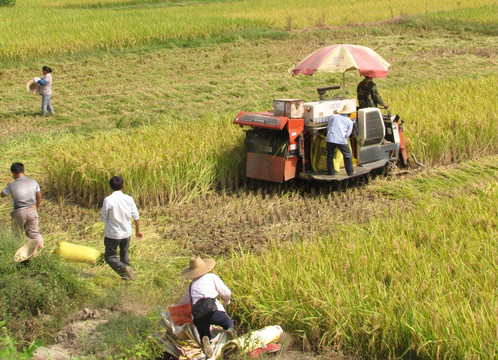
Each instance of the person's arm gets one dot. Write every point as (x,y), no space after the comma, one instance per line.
(43,81)
(5,192)
(135,217)
(137,229)
(376,96)
(222,289)
(185,298)
(349,129)
(38,200)
(103,212)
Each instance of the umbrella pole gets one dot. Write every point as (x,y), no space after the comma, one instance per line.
(344,84)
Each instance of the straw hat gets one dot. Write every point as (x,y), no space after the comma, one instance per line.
(26,251)
(348,108)
(32,87)
(198,267)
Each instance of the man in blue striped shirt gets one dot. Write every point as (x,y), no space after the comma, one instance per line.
(339,129)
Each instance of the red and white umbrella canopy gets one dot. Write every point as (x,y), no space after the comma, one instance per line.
(342,58)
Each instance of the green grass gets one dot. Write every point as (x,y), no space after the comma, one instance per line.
(9,346)
(43,286)
(110,340)
(92,92)
(417,280)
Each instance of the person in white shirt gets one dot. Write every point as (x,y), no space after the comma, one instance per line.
(117,211)
(207,285)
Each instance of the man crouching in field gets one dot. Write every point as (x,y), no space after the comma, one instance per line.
(26,196)
(117,211)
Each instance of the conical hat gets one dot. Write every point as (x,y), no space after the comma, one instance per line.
(26,251)
(348,108)
(198,267)
(32,87)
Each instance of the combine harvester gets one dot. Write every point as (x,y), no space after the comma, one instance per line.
(288,142)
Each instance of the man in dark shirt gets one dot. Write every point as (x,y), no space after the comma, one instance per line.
(368,94)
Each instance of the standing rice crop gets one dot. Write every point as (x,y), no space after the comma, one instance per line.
(419,284)
(73,26)
(173,162)
(451,120)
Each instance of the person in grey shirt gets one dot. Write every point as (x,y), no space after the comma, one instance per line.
(26,196)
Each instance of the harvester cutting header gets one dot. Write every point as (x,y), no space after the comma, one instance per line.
(289,141)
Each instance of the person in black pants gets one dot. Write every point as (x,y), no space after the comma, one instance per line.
(207,285)
(339,129)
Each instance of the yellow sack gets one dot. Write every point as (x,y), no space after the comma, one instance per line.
(78,253)
(318,155)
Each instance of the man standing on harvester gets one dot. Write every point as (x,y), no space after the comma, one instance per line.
(117,211)
(339,129)
(368,94)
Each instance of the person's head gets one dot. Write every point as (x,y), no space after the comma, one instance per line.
(116,183)
(368,78)
(17,169)
(46,70)
(198,267)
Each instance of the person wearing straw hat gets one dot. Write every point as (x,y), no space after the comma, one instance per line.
(206,285)
(117,211)
(339,129)
(46,90)
(27,197)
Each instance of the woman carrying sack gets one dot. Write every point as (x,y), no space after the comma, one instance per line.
(201,294)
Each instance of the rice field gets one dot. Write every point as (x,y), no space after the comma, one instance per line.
(415,281)
(403,266)
(174,162)
(162,168)
(73,26)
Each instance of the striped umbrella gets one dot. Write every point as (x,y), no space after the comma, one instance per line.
(342,58)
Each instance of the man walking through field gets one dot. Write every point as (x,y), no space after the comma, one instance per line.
(117,211)
(26,196)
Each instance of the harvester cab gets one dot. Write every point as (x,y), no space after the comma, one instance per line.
(288,141)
